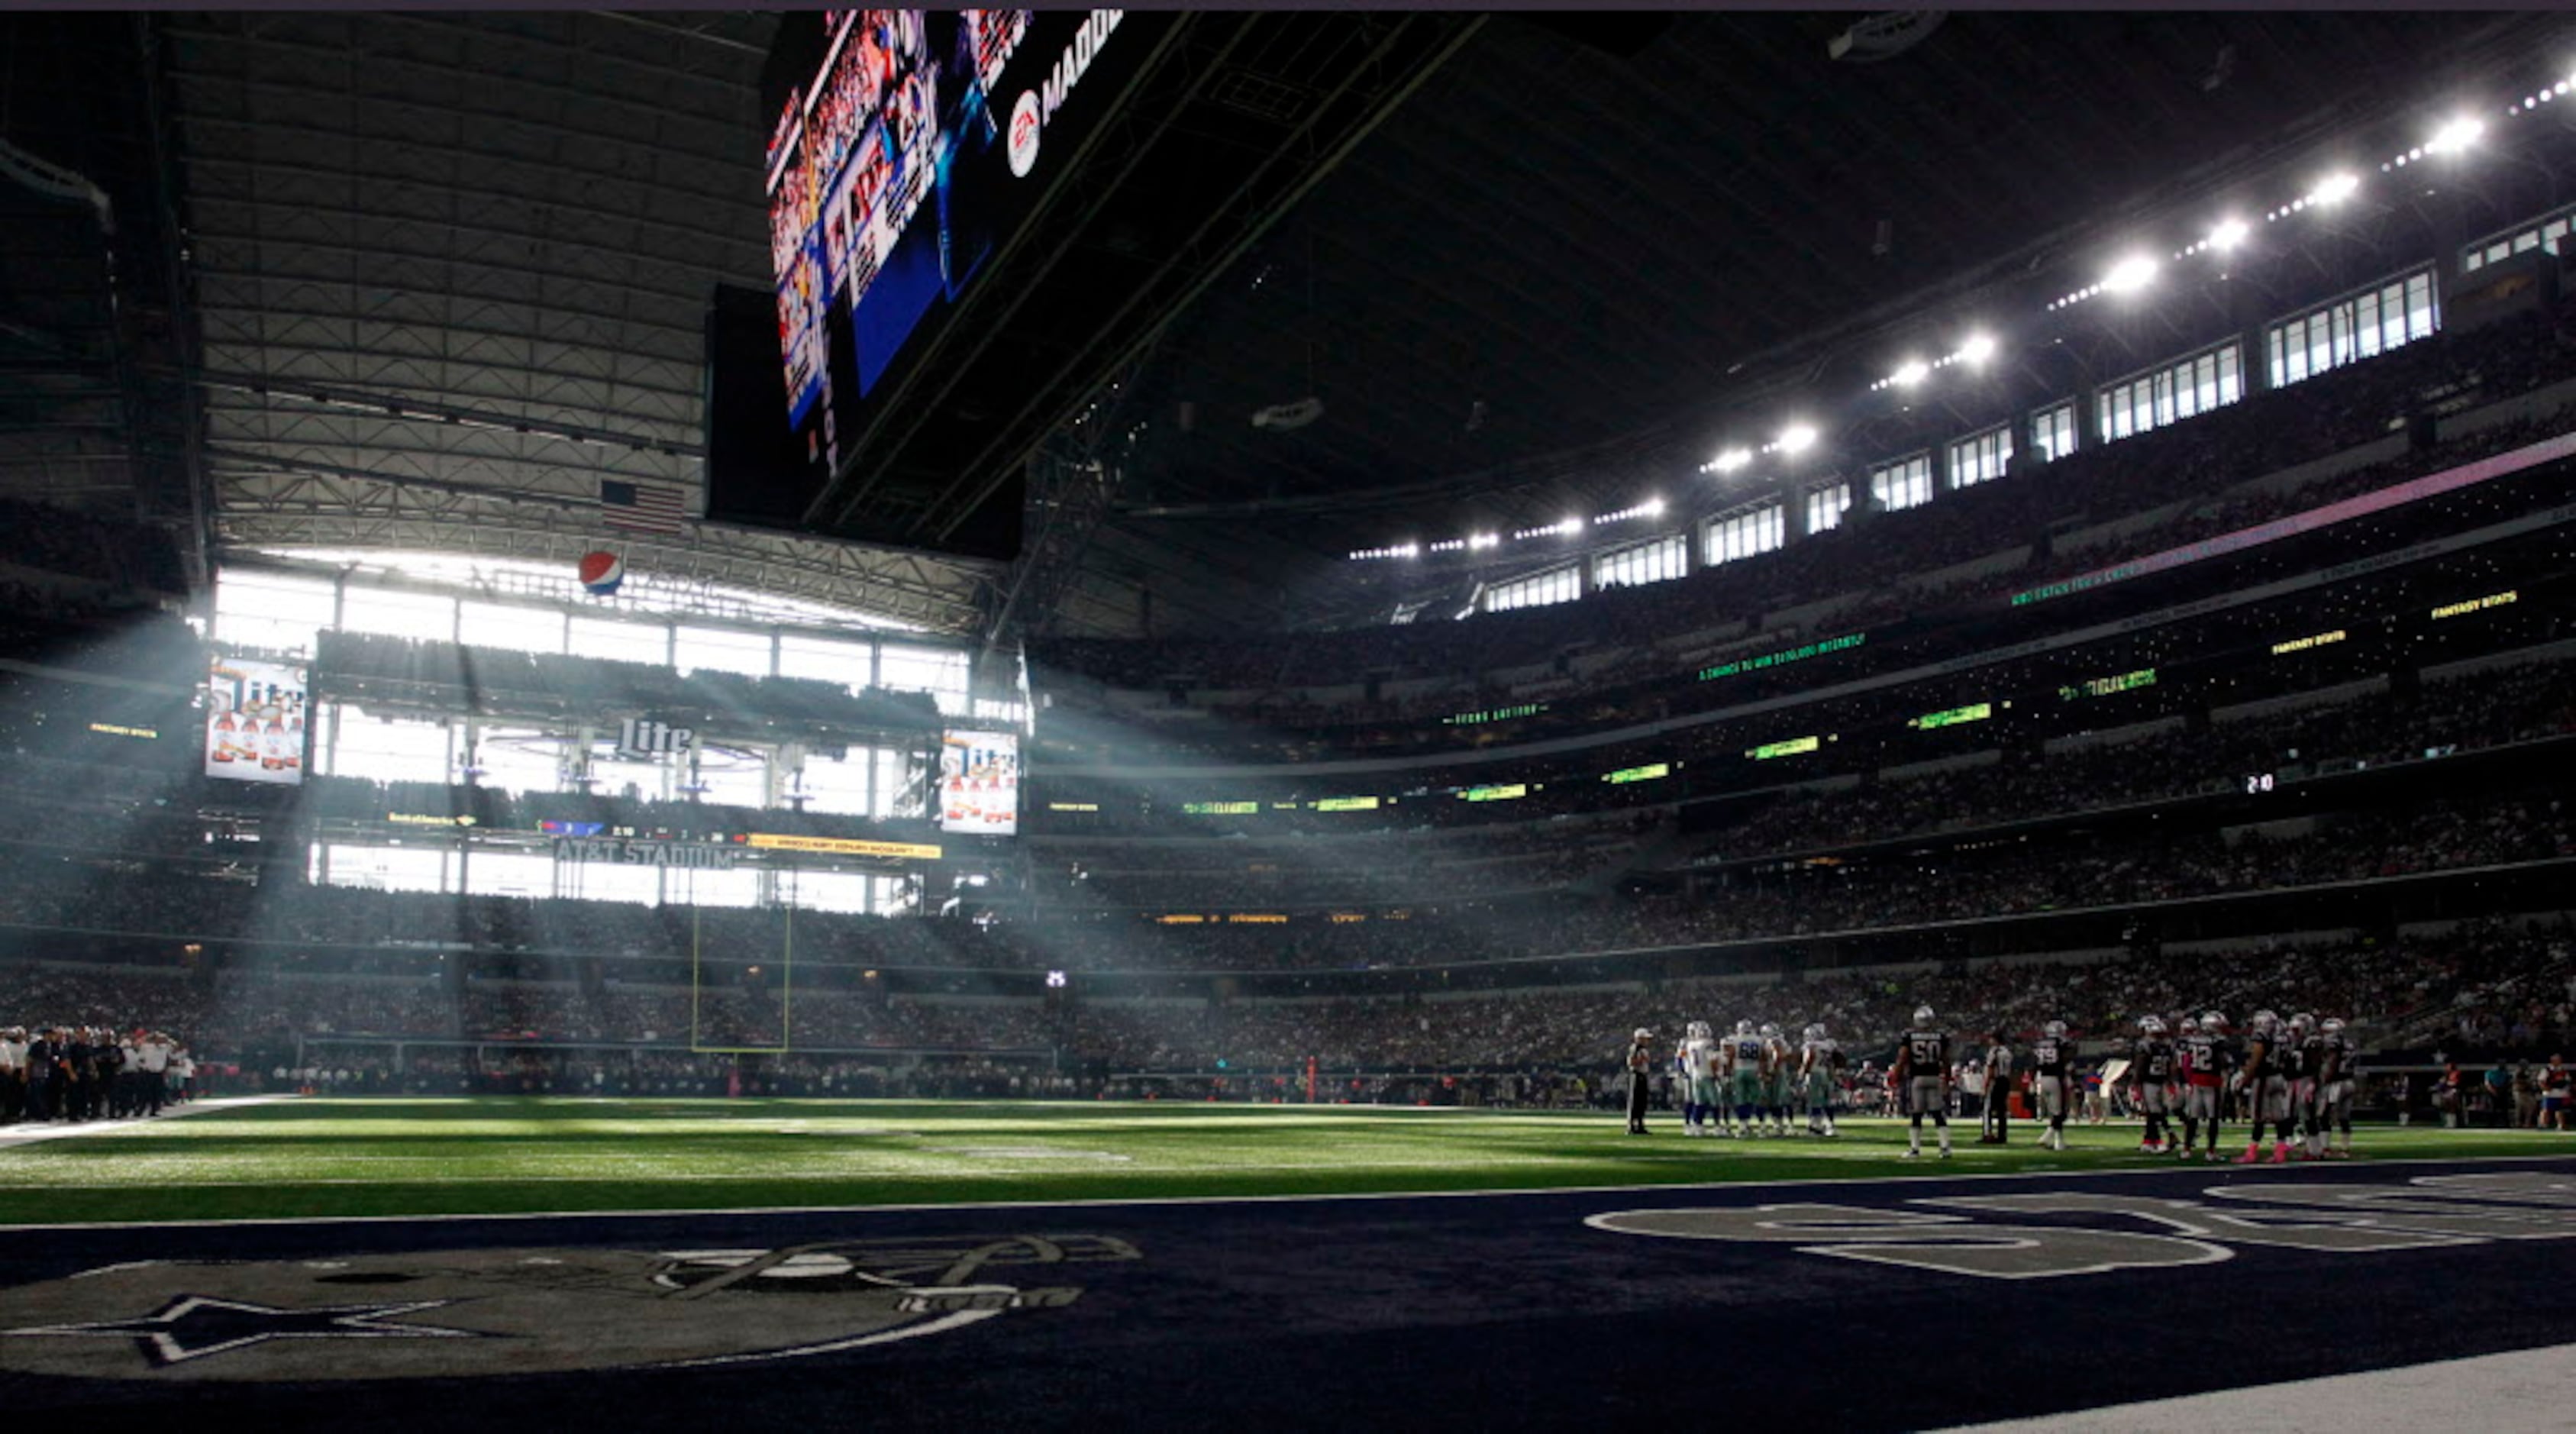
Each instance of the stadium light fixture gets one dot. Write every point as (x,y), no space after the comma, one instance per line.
(1570,526)
(1910,373)
(2229,233)
(1797,438)
(2129,275)
(1482,540)
(2335,188)
(1654,508)
(1977,348)
(2455,136)
(1728,461)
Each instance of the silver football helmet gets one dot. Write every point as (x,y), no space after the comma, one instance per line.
(1744,1028)
(2151,1025)
(1923,1015)
(2056,1029)
(1771,1028)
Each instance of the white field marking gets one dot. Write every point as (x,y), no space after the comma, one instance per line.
(1103,1203)
(2525,1392)
(24,1134)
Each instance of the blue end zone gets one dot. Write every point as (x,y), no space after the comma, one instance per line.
(1867,1305)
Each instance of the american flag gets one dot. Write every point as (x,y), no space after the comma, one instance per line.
(641,507)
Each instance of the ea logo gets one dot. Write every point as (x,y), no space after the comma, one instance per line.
(1025,125)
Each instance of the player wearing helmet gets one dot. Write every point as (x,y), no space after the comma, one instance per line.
(2305,1050)
(1693,1078)
(1749,1055)
(1923,1074)
(2338,1081)
(2052,1063)
(2207,1055)
(1817,1058)
(1782,1066)
(2264,1082)
(1641,1068)
(2151,1071)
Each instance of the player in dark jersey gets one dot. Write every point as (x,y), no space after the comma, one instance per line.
(1923,1075)
(2306,1052)
(2338,1083)
(2207,1057)
(2052,1081)
(2264,1080)
(2151,1072)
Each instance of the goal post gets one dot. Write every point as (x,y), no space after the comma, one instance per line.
(741,999)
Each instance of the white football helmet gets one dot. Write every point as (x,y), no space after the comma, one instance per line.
(1923,1015)
(2151,1025)
(1771,1028)
(1815,1033)
(2191,1025)
(2055,1029)
(2333,1026)
(2264,1021)
(1744,1028)
(2303,1022)
(1643,1034)
(1698,1030)
(2214,1021)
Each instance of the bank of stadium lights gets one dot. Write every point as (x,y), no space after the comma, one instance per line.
(1563,527)
(1728,461)
(2127,276)
(1973,351)
(1651,508)
(1794,439)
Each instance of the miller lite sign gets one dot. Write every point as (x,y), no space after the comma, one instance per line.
(642,739)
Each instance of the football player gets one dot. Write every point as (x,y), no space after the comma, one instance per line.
(2263,1080)
(1783,1074)
(1923,1073)
(1641,1065)
(1818,1055)
(2206,1057)
(2151,1071)
(1691,1075)
(1749,1053)
(2052,1063)
(2338,1083)
(2305,1049)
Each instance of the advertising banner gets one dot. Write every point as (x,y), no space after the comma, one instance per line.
(255,721)
(979,783)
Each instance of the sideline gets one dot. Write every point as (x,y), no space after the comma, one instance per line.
(973,1206)
(13,1136)
(2526,1392)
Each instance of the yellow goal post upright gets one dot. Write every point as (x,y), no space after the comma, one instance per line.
(699,1041)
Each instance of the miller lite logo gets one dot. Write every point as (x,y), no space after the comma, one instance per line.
(642,737)
(1025,124)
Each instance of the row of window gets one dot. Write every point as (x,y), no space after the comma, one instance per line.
(2547,232)
(486,872)
(349,741)
(284,611)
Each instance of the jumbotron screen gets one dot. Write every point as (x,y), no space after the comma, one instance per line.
(899,165)
(979,783)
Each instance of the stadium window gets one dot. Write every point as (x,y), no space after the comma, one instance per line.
(396,750)
(613,641)
(888,799)
(1013,714)
(830,891)
(1741,535)
(2548,232)
(1539,590)
(941,672)
(1905,483)
(612,881)
(393,613)
(520,629)
(825,660)
(1826,506)
(2052,432)
(1644,563)
(888,896)
(490,872)
(389,868)
(733,777)
(276,611)
(2185,388)
(839,787)
(720,649)
(1981,458)
(687,886)
(610,777)
(518,759)
(2357,326)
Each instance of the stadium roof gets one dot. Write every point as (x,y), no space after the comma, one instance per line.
(448,271)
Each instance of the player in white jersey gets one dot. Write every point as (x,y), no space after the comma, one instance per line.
(1818,1055)
(1923,1077)
(1692,1078)
(1747,1056)
(2053,1082)
(1777,1087)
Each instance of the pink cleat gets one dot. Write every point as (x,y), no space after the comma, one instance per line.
(2253,1156)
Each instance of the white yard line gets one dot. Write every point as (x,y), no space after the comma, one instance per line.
(24,1134)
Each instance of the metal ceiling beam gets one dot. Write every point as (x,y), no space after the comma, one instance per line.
(361,401)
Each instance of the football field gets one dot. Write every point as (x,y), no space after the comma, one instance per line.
(303,1158)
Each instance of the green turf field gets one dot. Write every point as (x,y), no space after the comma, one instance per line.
(321,1157)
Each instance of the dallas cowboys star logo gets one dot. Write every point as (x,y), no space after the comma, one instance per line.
(197,1326)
